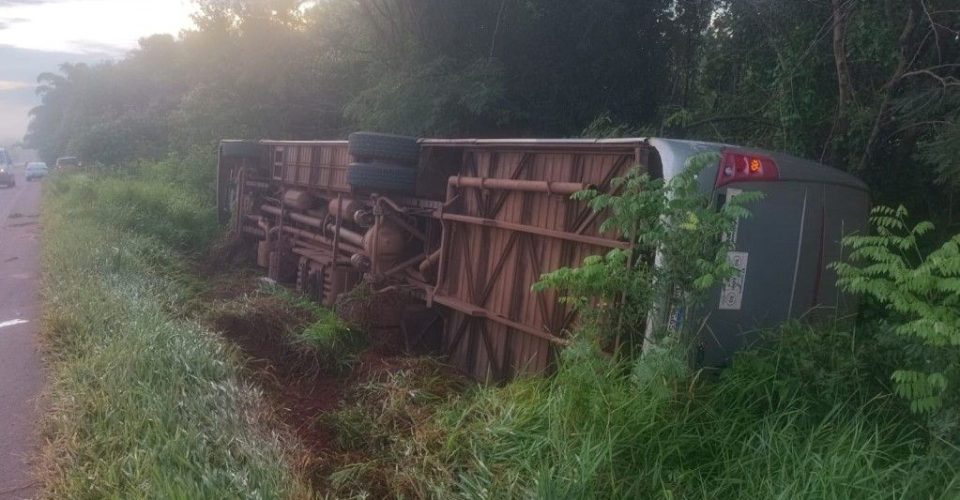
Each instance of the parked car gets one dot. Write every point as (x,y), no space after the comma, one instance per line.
(68,163)
(7,178)
(36,170)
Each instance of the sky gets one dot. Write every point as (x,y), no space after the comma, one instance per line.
(39,35)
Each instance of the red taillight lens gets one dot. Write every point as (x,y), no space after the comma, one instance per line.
(742,167)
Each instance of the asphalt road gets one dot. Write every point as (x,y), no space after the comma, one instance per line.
(21,374)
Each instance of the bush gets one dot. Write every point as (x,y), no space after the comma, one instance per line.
(922,294)
(150,199)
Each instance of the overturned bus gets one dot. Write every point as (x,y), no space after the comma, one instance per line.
(464,227)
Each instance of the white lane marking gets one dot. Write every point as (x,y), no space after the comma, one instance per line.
(12,322)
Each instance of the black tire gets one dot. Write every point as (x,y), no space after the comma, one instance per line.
(382,177)
(240,149)
(398,149)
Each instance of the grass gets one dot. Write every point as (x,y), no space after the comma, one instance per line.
(333,341)
(390,432)
(809,418)
(596,431)
(143,401)
(298,336)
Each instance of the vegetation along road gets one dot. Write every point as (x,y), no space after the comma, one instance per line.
(20,368)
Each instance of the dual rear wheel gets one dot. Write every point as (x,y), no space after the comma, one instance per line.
(384,162)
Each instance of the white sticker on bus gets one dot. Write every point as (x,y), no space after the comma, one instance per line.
(732,235)
(731,296)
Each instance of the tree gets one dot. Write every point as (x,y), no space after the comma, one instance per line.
(869,87)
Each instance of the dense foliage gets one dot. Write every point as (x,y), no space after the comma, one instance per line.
(922,292)
(867,86)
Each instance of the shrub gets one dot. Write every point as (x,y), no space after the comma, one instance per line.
(922,293)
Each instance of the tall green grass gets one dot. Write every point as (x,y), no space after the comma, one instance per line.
(333,342)
(779,424)
(810,418)
(143,402)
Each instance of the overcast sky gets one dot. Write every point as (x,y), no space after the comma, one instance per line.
(39,35)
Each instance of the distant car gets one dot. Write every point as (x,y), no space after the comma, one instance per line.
(68,162)
(7,178)
(36,170)
(6,170)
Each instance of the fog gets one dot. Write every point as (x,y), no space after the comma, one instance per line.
(38,36)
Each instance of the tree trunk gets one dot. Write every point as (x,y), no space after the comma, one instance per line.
(844,87)
(837,140)
(903,64)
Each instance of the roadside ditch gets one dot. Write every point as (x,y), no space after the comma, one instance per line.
(346,389)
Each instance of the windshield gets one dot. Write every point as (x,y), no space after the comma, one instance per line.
(36,166)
